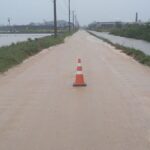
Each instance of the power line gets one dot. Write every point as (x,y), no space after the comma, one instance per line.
(66,2)
(62,3)
(63,10)
(55,15)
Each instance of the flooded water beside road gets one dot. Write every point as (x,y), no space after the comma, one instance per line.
(128,42)
(8,39)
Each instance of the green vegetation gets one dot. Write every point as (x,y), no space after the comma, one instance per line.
(133,31)
(136,54)
(16,53)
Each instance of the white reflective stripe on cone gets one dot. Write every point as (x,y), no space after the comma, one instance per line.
(79,65)
(79,72)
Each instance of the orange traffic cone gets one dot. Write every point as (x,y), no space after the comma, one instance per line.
(79,81)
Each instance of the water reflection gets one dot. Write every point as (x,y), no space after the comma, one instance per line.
(8,39)
(128,42)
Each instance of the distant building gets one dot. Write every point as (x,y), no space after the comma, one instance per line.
(35,27)
(97,25)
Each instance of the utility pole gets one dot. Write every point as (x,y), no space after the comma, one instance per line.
(76,23)
(69,18)
(55,19)
(73,18)
(9,24)
(136,18)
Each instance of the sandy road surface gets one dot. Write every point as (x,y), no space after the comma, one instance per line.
(40,110)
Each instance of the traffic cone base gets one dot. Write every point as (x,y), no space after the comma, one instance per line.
(79,85)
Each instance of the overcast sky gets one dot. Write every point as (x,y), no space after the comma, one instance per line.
(26,11)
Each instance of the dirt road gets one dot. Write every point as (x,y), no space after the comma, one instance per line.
(40,110)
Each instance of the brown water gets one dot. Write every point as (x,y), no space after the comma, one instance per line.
(128,42)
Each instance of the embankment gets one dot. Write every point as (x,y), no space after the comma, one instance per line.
(15,53)
(135,53)
(133,31)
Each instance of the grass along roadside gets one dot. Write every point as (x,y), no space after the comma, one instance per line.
(15,53)
(136,54)
(135,31)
